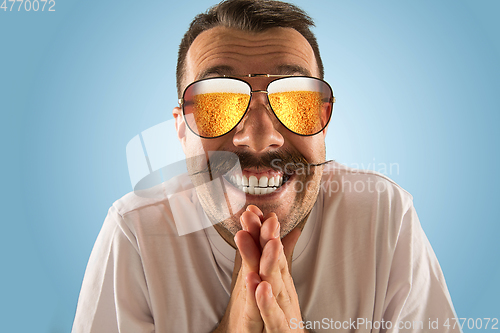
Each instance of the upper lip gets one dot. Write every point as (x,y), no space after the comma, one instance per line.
(257,172)
(260,172)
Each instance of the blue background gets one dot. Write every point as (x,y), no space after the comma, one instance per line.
(416,81)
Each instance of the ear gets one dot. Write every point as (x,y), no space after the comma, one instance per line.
(325,130)
(328,115)
(180,126)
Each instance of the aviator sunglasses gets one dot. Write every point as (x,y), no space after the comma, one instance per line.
(214,106)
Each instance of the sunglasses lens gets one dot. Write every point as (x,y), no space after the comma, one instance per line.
(302,104)
(213,107)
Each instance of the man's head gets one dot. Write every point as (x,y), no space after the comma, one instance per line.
(242,37)
(250,16)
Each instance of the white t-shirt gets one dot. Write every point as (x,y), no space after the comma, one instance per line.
(362,264)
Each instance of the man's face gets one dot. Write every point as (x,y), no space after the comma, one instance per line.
(223,51)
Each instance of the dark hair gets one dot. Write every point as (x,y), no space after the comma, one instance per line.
(251,16)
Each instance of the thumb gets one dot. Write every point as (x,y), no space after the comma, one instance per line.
(289,242)
(236,269)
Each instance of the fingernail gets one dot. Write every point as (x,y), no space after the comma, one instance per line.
(277,231)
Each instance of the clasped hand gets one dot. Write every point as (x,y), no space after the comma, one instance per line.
(263,297)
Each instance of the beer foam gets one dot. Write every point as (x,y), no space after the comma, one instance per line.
(295,84)
(223,85)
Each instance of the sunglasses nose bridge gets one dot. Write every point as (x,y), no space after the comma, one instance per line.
(258,129)
(259,97)
(258,101)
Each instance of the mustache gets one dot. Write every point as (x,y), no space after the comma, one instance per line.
(276,160)
(289,160)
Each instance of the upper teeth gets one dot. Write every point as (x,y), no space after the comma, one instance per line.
(252,185)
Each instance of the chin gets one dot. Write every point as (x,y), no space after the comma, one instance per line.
(291,200)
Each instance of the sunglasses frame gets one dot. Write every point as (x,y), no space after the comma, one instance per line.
(238,77)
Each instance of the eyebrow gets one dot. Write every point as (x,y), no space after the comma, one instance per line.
(292,70)
(226,70)
(220,70)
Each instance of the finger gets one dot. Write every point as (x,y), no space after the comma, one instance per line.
(242,312)
(272,262)
(236,269)
(271,313)
(252,320)
(270,230)
(250,222)
(269,215)
(250,253)
(256,210)
(274,269)
(285,264)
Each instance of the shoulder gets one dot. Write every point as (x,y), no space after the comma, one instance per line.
(155,196)
(138,200)
(358,185)
(364,201)
(364,211)
(149,211)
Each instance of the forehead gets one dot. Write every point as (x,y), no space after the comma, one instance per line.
(227,51)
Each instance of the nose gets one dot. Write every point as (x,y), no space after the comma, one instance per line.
(258,130)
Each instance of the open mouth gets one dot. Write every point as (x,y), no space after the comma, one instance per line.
(258,185)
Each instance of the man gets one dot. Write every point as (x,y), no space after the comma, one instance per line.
(309,251)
